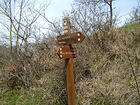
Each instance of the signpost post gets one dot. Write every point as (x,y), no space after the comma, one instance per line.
(67,52)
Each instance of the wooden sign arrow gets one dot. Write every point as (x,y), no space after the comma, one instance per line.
(70,38)
(66,52)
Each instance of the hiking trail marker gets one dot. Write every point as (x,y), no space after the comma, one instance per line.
(67,52)
(70,38)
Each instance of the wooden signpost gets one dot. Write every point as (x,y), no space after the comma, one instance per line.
(67,52)
(70,38)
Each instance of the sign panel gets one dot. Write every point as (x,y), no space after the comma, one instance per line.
(66,25)
(66,52)
(70,38)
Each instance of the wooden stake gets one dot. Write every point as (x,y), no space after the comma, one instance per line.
(69,68)
(70,81)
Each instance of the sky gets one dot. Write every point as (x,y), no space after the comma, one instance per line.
(124,8)
(121,7)
(57,7)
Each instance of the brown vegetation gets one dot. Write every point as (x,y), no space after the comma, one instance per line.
(107,67)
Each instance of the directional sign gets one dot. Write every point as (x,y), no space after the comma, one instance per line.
(70,38)
(66,25)
(67,52)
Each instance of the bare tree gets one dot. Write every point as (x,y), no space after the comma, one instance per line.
(20,24)
(109,3)
(100,2)
(88,16)
(135,15)
(7,6)
(10,26)
(21,33)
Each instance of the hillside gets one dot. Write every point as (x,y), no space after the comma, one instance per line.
(107,72)
(131,27)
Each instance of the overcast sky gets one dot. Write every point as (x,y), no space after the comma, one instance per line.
(122,7)
(57,7)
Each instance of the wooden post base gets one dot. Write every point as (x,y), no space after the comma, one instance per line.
(70,82)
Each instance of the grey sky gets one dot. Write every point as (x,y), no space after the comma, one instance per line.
(57,7)
(122,7)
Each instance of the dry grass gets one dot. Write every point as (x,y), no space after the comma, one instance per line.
(112,63)
(104,71)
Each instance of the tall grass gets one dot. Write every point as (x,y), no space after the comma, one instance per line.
(107,72)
